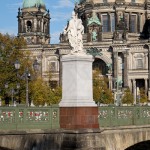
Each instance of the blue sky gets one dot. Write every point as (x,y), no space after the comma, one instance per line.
(60,11)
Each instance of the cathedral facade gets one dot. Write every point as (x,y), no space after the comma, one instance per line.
(117,30)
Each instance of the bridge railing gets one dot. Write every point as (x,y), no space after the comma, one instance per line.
(21,117)
(112,116)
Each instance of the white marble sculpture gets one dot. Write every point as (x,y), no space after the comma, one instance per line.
(74,32)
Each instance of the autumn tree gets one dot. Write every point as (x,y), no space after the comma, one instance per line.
(39,92)
(127,97)
(10,51)
(143,97)
(55,96)
(101,92)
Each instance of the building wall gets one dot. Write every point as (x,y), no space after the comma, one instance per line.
(121,31)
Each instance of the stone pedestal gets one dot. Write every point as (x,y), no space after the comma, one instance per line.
(79,117)
(77,108)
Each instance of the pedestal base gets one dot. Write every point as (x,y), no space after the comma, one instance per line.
(79,117)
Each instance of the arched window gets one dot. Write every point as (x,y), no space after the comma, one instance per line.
(29,26)
(101,65)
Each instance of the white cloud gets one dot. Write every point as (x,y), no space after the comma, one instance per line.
(64,4)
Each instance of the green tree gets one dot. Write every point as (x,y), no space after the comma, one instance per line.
(101,92)
(55,96)
(39,92)
(143,96)
(127,97)
(10,51)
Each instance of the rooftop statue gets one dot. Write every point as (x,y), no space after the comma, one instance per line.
(74,32)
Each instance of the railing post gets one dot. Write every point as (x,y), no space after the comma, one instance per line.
(16,117)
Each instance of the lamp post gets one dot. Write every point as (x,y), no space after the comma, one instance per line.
(116,92)
(27,76)
(12,91)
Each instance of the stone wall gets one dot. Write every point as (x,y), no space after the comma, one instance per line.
(87,139)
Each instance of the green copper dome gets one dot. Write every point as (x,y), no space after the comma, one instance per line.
(33,3)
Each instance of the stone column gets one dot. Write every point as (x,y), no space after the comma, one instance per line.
(115,55)
(35,24)
(109,21)
(42,62)
(77,108)
(130,85)
(19,24)
(24,26)
(139,23)
(110,81)
(146,61)
(130,14)
(60,71)
(146,87)
(125,75)
(134,90)
(149,74)
(42,23)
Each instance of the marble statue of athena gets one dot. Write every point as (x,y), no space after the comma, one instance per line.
(74,32)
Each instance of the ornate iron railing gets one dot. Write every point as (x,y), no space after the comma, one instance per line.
(20,117)
(124,116)
(14,118)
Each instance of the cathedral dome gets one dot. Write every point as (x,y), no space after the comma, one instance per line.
(33,3)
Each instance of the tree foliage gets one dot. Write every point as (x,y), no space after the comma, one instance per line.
(42,94)
(101,92)
(54,96)
(9,52)
(143,97)
(127,97)
(11,49)
(39,92)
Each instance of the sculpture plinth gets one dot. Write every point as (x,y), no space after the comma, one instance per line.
(77,108)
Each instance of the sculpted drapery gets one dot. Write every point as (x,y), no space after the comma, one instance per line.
(74,32)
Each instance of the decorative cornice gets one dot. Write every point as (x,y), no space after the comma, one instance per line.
(112,5)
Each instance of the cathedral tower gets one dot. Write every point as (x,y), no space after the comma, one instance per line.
(34,22)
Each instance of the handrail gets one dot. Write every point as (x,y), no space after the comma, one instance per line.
(21,117)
